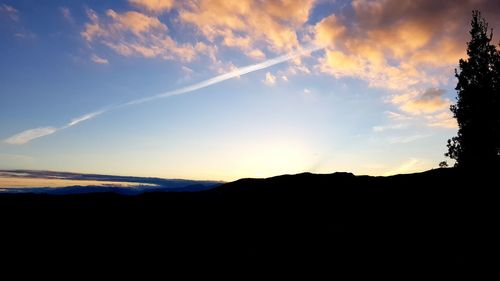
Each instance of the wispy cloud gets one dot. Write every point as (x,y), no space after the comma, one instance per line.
(406,139)
(82,118)
(9,12)
(66,14)
(31,134)
(99,60)
(233,74)
(383,128)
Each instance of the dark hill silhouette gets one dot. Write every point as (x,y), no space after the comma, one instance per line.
(432,220)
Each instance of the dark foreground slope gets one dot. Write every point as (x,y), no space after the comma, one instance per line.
(436,219)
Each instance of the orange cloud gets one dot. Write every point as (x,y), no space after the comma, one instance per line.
(249,24)
(442,120)
(135,22)
(405,47)
(328,30)
(155,6)
(133,33)
(430,101)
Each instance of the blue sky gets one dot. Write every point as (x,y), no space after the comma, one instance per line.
(373,99)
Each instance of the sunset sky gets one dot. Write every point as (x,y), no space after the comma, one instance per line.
(159,88)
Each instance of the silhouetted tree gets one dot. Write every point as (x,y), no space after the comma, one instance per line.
(477,109)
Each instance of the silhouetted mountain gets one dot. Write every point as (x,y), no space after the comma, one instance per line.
(439,219)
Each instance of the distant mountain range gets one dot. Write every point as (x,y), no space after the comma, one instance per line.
(126,185)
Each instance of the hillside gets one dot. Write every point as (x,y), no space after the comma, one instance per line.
(427,220)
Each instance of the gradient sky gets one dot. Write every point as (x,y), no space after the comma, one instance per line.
(373,99)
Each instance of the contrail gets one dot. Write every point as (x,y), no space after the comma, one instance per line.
(31,134)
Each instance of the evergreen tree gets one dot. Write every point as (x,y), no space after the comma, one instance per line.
(477,109)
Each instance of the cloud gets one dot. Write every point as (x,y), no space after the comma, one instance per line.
(430,101)
(155,6)
(85,117)
(99,60)
(442,120)
(328,30)
(249,25)
(232,74)
(270,79)
(117,25)
(136,34)
(404,47)
(66,14)
(187,70)
(11,18)
(383,128)
(9,12)
(135,22)
(406,139)
(32,134)
(395,116)
(25,35)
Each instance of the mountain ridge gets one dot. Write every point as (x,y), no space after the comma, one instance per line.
(435,220)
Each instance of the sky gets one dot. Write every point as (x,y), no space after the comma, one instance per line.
(221,90)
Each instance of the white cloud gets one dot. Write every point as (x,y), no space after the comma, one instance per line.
(99,60)
(406,139)
(187,70)
(396,116)
(383,128)
(85,117)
